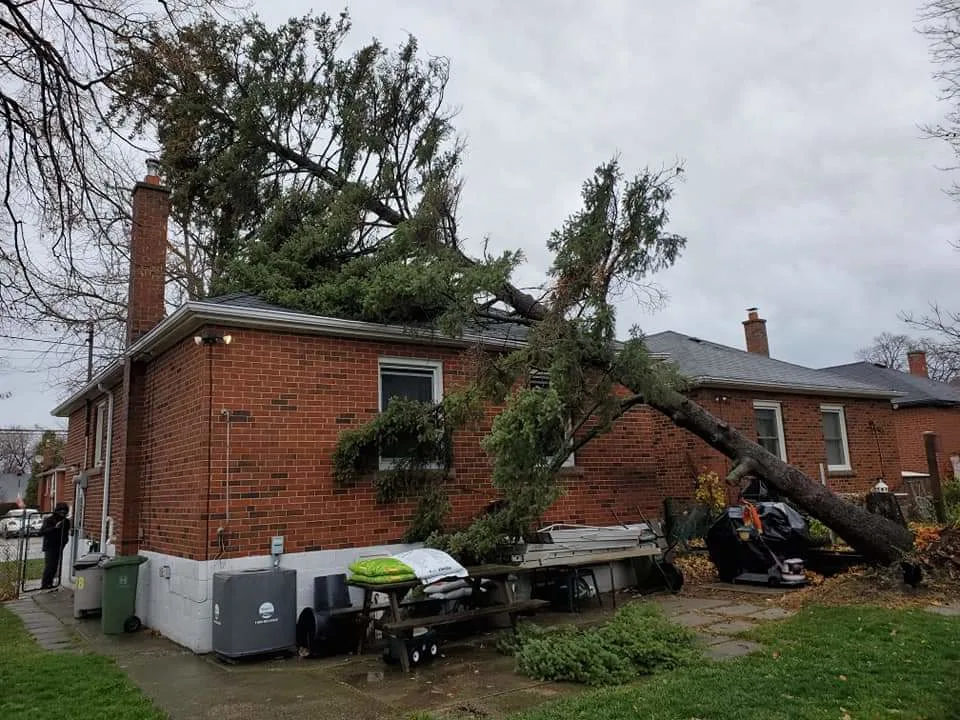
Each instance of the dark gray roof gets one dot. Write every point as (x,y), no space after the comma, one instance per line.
(916,390)
(500,326)
(708,363)
(243,299)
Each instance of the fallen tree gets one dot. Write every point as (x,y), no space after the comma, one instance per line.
(331,184)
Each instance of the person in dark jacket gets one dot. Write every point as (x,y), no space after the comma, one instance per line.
(56,533)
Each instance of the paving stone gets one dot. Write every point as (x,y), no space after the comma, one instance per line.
(680,605)
(731,649)
(773,613)
(732,627)
(742,610)
(693,619)
(708,639)
(948,610)
(748,589)
(54,646)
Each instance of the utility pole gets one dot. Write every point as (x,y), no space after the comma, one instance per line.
(930,443)
(89,350)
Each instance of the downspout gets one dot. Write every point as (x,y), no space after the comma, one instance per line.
(107,463)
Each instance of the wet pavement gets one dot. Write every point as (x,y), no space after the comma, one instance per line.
(471,678)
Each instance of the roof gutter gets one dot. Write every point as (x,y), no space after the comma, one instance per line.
(707,381)
(194,314)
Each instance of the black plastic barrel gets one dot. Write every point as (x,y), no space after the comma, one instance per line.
(330,592)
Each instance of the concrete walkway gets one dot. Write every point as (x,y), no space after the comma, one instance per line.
(470,678)
(43,626)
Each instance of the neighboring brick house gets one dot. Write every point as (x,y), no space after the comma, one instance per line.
(828,426)
(53,486)
(216,431)
(924,405)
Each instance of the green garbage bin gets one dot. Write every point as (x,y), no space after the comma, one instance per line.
(119,602)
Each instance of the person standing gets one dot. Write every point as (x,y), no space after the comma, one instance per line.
(56,533)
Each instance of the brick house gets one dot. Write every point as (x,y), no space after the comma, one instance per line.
(924,405)
(216,429)
(53,486)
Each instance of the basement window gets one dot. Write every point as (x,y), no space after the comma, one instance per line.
(413,379)
(769,421)
(99,434)
(541,381)
(835,437)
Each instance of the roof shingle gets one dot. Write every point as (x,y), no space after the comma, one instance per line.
(916,390)
(705,362)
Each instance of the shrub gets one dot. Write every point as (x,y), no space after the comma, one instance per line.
(638,640)
(951,499)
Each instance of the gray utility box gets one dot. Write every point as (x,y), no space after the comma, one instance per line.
(254,612)
(88,584)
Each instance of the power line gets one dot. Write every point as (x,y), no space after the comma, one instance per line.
(48,342)
(13,430)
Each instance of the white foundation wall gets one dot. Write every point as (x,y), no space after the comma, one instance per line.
(174,593)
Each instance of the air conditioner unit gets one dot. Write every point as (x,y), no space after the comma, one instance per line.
(254,612)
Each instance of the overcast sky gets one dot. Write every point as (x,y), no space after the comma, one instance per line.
(809,190)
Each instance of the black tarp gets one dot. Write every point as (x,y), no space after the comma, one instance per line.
(784,533)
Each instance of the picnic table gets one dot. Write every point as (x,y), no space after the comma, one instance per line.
(395,626)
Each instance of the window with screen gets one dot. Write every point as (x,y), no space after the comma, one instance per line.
(99,434)
(769,423)
(541,381)
(419,380)
(835,437)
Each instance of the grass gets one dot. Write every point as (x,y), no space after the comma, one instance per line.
(10,568)
(41,684)
(841,663)
(10,576)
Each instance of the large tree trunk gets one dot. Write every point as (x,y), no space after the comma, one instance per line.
(876,538)
(879,540)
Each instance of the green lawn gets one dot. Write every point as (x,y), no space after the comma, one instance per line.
(10,568)
(843,663)
(39,684)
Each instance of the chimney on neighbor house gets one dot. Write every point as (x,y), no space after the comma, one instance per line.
(917,360)
(148,254)
(755,328)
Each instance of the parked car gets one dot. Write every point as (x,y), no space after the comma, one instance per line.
(35,523)
(12,524)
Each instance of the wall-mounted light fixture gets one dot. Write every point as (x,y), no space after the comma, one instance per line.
(212,339)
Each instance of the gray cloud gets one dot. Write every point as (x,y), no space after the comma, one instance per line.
(809,191)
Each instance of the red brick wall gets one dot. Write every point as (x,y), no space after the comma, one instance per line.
(803,431)
(912,422)
(74,455)
(291,397)
(174,461)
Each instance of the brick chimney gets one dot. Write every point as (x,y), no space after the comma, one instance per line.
(755,328)
(917,360)
(148,254)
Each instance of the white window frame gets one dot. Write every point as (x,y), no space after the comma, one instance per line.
(401,364)
(539,378)
(778,412)
(99,433)
(838,409)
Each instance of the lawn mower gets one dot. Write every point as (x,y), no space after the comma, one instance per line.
(759,544)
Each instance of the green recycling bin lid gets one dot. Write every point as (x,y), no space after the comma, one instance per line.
(121,560)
